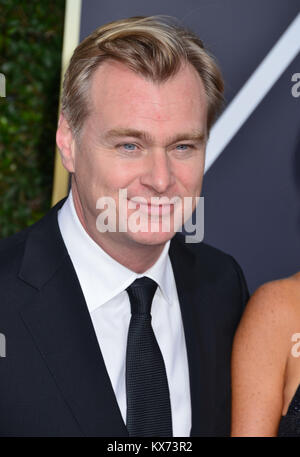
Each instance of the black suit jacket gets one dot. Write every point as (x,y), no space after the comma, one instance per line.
(53,380)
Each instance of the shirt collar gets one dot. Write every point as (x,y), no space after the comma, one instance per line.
(101,277)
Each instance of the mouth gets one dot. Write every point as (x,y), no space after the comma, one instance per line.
(151,209)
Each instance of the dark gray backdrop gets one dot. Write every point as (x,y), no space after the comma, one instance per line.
(252,191)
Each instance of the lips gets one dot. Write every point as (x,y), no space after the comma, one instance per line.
(152,209)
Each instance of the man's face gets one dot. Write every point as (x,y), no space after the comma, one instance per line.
(146,138)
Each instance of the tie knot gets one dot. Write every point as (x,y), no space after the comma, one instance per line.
(141,293)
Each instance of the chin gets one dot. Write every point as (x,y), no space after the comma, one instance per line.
(150,238)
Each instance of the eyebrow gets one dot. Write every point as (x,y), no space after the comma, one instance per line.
(194,135)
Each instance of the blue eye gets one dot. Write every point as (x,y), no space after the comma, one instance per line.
(129,146)
(182,147)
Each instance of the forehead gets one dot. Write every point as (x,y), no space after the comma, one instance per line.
(116,93)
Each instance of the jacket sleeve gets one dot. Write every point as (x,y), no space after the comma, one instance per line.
(242,281)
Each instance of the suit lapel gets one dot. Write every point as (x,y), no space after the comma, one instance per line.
(194,289)
(56,315)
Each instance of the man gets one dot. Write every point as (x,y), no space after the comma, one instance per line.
(114,326)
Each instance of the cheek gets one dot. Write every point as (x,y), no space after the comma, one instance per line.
(89,175)
(190,177)
(125,172)
(105,177)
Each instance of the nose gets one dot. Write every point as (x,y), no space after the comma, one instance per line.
(158,172)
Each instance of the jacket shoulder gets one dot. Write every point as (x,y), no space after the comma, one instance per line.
(12,248)
(219,268)
(205,253)
(11,251)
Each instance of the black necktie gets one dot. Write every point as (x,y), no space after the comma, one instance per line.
(148,398)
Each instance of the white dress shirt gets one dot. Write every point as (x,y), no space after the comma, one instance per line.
(103,281)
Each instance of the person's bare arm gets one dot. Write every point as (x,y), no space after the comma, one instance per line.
(260,351)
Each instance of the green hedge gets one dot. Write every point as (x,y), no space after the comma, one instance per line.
(30,58)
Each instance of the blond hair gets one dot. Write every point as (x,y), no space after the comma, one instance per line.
(153,47)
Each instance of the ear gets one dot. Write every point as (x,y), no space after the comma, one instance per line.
(66,144)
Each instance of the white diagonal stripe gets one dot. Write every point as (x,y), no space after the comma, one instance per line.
(253,91)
